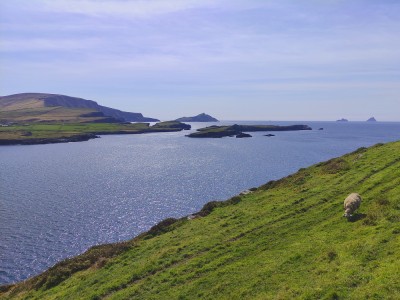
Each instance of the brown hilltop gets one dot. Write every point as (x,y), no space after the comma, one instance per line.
(42,107)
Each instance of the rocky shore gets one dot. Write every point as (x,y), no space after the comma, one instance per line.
(38,141)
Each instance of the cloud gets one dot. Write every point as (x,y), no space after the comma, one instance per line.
(184,47)
(46,44)
(137,8)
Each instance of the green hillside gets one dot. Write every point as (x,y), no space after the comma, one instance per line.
(52,114)
(285,240)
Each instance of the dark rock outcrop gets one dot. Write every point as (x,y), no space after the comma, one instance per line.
(254,128)
(172,125)
(222,131)
(38,141)
(372,119)
(243,135)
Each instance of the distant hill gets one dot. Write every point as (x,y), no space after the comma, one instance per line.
(40,107)
(199,118)
(372,119)
(342,120)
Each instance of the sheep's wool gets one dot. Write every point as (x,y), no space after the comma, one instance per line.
(351,204)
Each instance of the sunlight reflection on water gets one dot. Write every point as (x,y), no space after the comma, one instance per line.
(58,200)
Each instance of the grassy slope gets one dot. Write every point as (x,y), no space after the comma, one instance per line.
(286,240)
(43,107)
(32,110)
(12,105)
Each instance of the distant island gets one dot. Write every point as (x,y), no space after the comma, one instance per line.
(342,120)
(41,107)
(238,130)
(199,118)
(372,119)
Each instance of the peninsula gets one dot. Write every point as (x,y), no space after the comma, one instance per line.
(37,118)
(238,130)
(285,239)
(199,118)
(30,134)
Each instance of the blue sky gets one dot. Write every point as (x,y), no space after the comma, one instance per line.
(236,60)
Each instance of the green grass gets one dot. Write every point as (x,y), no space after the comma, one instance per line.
(285,240)
(44,131)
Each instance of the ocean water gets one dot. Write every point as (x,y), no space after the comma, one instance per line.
(58,200)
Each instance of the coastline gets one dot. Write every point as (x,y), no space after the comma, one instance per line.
(39,134)
(241,130)
(42,141)
(96,256)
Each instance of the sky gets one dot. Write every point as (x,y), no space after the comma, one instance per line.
(233,59)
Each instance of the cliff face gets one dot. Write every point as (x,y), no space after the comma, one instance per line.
(35,100)
(72,102)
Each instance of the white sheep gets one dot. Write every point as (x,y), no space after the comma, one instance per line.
(351,204)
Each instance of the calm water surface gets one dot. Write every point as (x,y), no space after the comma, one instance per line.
(58,200)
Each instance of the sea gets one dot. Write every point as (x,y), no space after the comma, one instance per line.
(58,200)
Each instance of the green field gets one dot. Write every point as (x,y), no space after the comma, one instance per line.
(285,240)
(31,131)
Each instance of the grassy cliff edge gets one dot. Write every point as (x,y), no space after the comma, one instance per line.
(286,239)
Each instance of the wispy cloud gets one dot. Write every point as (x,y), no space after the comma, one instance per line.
(139,8)
(224,47)
(46,44)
